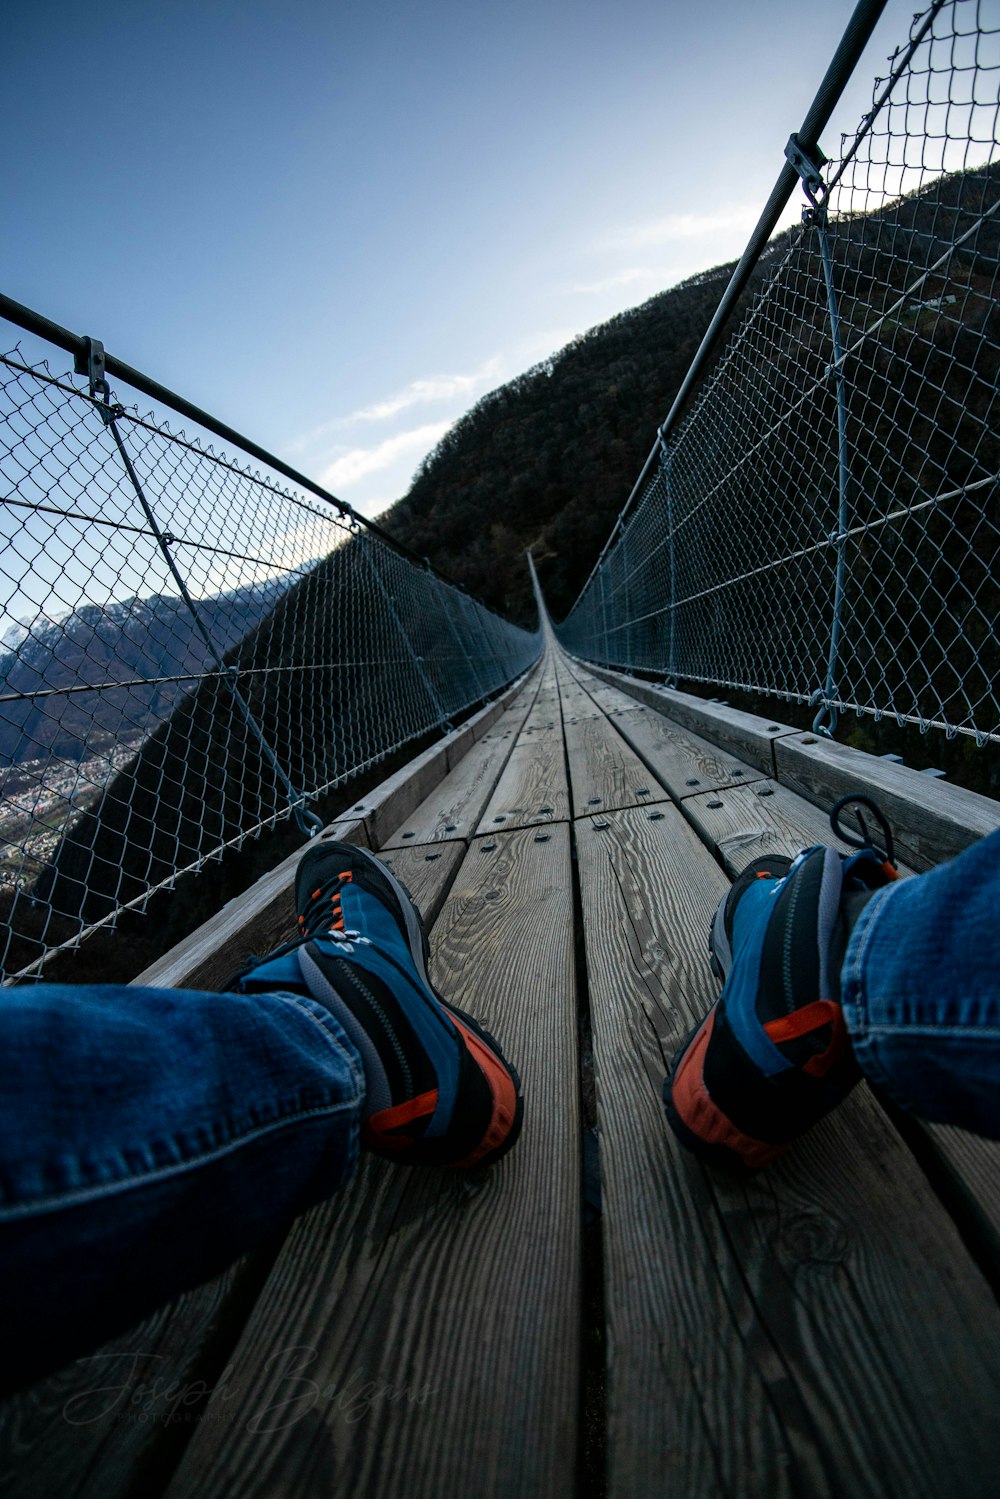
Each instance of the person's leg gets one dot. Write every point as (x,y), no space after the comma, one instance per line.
(921,991)
(147,1138)
(832,965)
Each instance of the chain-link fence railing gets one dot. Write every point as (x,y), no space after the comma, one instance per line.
(189,653)
(823,522)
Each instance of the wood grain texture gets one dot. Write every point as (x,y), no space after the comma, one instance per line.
(385,808)
(396,797)
(262,916)
(534,779)
(435,1315)
(745,735)
(455,807)
(683,762)
(427,872)
(112,1424)
(474,728)
(256,921)
(604,771)
(743,824)
(819,1329)
(608,699)
(931,819)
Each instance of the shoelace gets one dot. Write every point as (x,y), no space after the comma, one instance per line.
(316,920)
(854,802)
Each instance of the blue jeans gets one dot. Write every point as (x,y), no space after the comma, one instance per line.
(921,991)
(149,1137)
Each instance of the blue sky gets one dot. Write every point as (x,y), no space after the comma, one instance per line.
(336,226)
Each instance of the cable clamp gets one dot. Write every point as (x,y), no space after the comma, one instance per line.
(89,361)
(809,165)
(827,718)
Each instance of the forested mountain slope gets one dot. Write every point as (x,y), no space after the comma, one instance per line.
(547,460)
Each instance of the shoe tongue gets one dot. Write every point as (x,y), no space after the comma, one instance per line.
(799,937)
(867,868)
(272,974)
(852,904)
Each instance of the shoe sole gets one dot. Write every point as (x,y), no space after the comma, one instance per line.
(744,1158)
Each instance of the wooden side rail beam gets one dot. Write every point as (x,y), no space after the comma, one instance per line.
(932,820)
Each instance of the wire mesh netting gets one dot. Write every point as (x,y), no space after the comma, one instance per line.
(189,653)
(823,525)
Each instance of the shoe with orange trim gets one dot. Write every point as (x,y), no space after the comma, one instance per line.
(439,1091)
(773,1054)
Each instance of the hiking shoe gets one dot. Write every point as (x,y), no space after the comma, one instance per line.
(773,1055)
(439,1091)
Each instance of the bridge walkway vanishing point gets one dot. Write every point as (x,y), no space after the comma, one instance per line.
(826,1328)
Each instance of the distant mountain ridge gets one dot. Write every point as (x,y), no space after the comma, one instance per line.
(98,647)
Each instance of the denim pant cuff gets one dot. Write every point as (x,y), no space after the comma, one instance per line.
(921,993)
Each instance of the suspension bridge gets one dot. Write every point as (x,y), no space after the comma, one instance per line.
(817,521)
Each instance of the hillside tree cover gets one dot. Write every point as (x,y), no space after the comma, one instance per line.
(548,460)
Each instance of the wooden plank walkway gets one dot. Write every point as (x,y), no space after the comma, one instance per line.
(821,1329)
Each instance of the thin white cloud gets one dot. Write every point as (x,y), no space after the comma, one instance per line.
(423,392)
(433,389)
(357,462)
(673,228)
(540,345)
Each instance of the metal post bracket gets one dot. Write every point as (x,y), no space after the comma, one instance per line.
(89,361)
(809,165)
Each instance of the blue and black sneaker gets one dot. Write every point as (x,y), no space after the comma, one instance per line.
(439,1091)
(773,1054)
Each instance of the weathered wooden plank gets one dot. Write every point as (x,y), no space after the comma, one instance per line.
(972,1169)
(532,788)
(396,797)
(745,735)
(604,772)
(575,703)
(256,921)
(455,807)
(746,822)
(114,1422)
(682,761)
(421,1334)
(817,1329)
(539,728)
(610,701)
(932,820)
(427,872)
(465,735)
(544,716)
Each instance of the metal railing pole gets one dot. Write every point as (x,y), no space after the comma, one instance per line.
(856,36)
